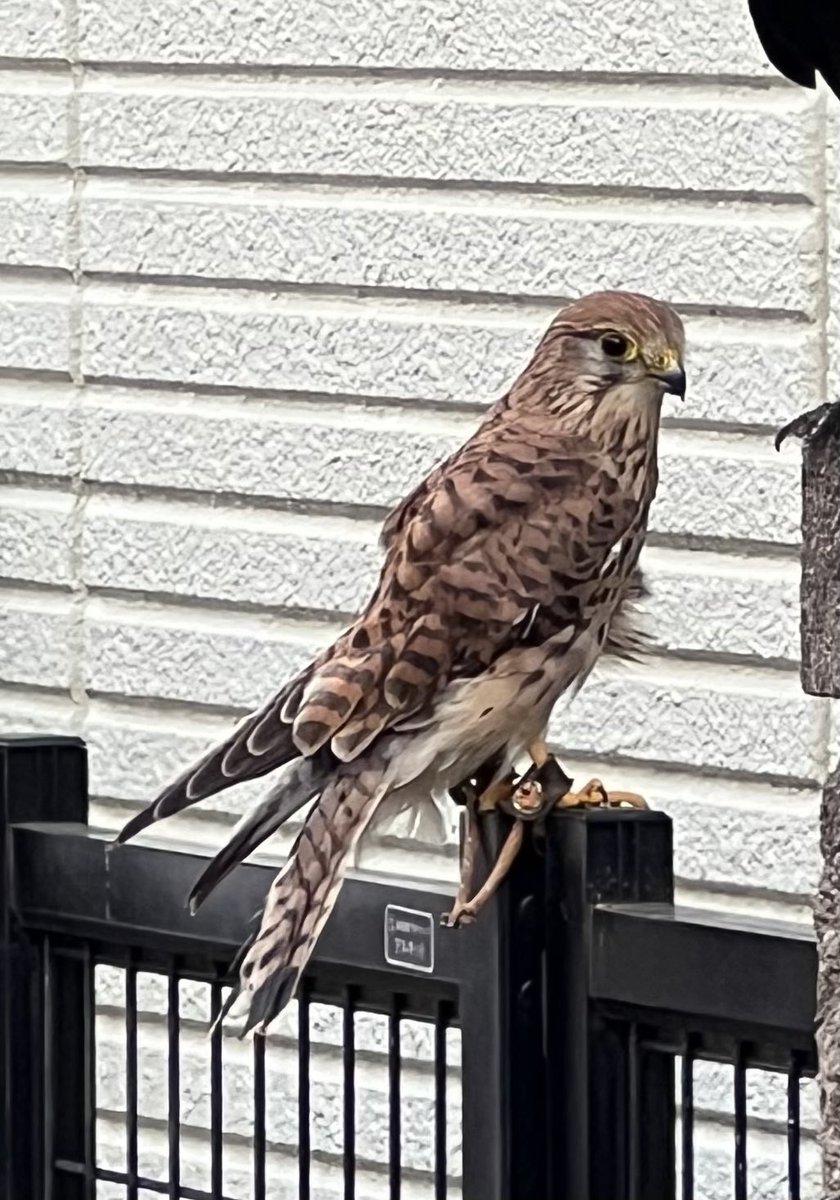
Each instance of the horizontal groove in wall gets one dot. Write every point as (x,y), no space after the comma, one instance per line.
(663,766)
(55,389)
(32,274)
(325,618)
(52,710)
(359,523)
(659,562)
(34,179)
(308,627)
(606,192)
(37,594)
(750,445)
(23,169)
(786,209)
(432,295)
(302,625)
(604,89)
(32,378)
(281,69)
(623,206)
(656,671)
(207,722)
(54,284)
(715,794)
(738,547)
(326,298)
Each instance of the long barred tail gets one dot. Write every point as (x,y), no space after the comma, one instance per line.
(303,894)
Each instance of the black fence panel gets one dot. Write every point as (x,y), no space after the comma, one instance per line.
(585,1003)
(602,1080)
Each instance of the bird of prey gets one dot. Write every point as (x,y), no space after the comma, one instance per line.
(802,39)
(506,573)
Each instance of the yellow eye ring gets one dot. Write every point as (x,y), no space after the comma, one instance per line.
(618,346)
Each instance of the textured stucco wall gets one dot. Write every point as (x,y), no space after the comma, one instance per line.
(264,262)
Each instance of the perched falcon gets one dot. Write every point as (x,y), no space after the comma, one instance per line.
(506,573)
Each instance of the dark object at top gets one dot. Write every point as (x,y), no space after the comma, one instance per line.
(801,38)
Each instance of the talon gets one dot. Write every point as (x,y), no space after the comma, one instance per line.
(594,794)
(459,916)
(633,799)
(820,422)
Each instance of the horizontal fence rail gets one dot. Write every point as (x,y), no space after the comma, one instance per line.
(549,1052)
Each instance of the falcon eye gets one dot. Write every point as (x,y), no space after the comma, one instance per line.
(616,345)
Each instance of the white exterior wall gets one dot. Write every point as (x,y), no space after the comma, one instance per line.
(263,264)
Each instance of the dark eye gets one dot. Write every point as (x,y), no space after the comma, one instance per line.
(615,345)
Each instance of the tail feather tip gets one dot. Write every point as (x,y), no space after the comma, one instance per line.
(269,999)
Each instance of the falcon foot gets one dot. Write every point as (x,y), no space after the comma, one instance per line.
(464,911)
(814,426)
(594,794)
(538,790)
(544,786)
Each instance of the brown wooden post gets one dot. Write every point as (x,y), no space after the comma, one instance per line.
(821,677)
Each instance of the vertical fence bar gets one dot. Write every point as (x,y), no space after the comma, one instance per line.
(602,857)
(70,1083)
(259,1118)
(41,779)
(441,1022)
(216,1114)
(304,1146)
(173,1026)
(687,1120)
(793,1129)
(633,1113)
(89,1052)
(44,1037)
(131,1149)
(394,1101)
(348,1054)
(740,1090)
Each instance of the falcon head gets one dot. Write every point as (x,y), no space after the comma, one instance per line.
(617,345)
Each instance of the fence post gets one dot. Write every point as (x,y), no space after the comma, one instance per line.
(611,1106)
(502,1047)
(41,779)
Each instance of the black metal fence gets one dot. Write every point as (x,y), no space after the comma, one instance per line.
(582,1001)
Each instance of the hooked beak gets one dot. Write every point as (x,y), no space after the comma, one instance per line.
(670,372)
(673,379)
